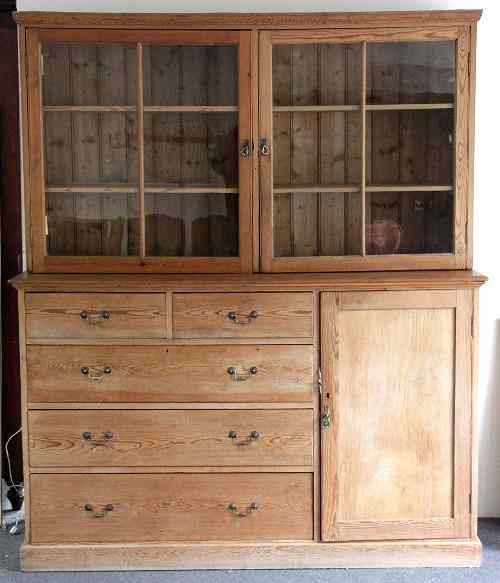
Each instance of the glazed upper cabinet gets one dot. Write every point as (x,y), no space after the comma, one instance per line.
(141,151)
(232,151)
(364,149)
(396,411)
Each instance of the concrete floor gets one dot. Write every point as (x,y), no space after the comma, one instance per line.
(489,532)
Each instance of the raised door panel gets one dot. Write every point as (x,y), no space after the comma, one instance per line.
(141,150)
(170,438)
(396,415)
(170,374)
(366,149)
(175,507)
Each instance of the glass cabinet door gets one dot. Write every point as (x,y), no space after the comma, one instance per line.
(145,151)
(365,165)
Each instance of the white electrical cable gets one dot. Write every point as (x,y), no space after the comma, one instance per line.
(16,487)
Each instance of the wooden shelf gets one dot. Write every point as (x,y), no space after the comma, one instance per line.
(409,188)
(314,188)
(409,106)
(190,108)
(89,108)
(128,188)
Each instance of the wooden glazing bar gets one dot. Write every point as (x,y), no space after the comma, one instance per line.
(190,108)
(409,188)
(313,188)
(191,190)
(140,148)
(89,108)
(316,108)
(408,106)
(97,188)
(363,148)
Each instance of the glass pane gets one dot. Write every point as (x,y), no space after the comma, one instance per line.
(90,74)
(409,222)
(192,225)
(90,148)
(414,72)
(92,223)
(308,224)
(191,149)
(316,74)
(316,148)
(191,75)
(410,147)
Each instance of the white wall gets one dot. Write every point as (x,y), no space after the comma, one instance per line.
(487,200)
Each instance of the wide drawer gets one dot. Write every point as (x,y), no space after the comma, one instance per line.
(243,315)
(170,507)
(171,438)
(78,315)
(178,374)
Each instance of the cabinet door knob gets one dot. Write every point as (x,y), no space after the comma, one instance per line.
(242,513)
(245,149)
(265,148)
(243,374)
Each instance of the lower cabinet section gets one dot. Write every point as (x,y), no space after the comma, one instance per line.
(171,507)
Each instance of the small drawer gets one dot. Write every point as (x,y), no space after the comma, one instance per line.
(243,315)
(170,507)
(170,438)
(175,374)
(68,315)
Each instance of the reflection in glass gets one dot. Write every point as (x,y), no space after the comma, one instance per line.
(309,224)
(192,225)
(191,148)
(409,222)
(316,74)
(414,72)
(190,75)
(92,224)
(89,74)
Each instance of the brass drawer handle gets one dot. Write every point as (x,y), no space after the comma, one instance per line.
(243,318)
(242,513)
(254,435)
(242,375)
(107,508)
(95,317)
(107,436)
(94,374)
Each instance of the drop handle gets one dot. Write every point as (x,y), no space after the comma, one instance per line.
(243,319)
(95,317)
(253,507)
(95,374)
(253,436)
(107,436)
(98,514)
(242,374)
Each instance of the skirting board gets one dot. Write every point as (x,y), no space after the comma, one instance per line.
(292,555)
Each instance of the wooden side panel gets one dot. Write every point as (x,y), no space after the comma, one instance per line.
(171,438)
(279,315)
(175,374)
(56,315)
(400,404)
(187,507)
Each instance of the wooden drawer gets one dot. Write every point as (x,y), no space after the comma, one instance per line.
(170,507)
(171,438)
(243,315)
(177,374)
(79,315)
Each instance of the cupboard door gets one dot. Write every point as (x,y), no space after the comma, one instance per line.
(364,165)
(396,415)
(142,151)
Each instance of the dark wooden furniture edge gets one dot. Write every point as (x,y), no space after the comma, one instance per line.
(242,20)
